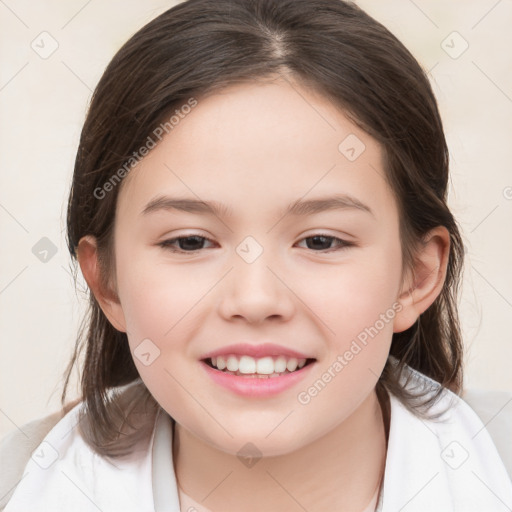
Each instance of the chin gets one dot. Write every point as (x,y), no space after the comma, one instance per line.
(258,443)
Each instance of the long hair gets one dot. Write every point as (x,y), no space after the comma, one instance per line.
(199,47)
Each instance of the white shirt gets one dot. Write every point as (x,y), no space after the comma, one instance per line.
(431,466)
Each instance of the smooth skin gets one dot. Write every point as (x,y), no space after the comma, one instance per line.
(256,148)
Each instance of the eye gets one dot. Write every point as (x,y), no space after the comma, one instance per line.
(320,241)
(193,243)
(186,244)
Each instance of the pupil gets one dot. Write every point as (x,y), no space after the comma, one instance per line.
(319,237)
(183,242)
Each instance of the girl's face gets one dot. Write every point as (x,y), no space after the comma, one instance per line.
(259,275)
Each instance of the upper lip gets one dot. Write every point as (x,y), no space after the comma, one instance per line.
(256,351)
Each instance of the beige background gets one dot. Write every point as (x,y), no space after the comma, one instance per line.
(42,107)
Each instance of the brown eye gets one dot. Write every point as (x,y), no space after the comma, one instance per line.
(323,242)
(188,244)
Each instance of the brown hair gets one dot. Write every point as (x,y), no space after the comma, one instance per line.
(199,47)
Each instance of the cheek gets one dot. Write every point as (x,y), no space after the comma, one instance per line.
(353,295)
(158,297)
(161,305)
(356,309)
(159,317)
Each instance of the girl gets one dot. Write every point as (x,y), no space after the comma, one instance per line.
(259,209)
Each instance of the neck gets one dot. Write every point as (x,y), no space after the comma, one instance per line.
(339,471)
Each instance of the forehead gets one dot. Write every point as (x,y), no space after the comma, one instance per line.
(260,144)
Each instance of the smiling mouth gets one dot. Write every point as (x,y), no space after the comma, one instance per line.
(263,368)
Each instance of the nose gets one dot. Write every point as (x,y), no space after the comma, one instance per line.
(256,291)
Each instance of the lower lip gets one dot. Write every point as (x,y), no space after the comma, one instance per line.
(256,386)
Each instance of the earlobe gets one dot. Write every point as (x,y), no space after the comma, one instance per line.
(425,282)
(106,297)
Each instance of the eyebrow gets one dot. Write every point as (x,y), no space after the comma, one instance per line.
(297,208)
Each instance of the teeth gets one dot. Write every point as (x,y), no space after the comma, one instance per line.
(291,365)
(232,364)
(280,364)
(264,366)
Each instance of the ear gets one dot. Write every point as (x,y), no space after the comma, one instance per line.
(106,297)
(424,283)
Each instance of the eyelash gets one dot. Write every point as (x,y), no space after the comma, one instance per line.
(166,244)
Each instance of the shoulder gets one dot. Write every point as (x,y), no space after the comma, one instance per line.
(16,449)
(494,409)
(52,468)
(450,453)
(481,413)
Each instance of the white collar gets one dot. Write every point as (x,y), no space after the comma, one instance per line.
(165,486)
